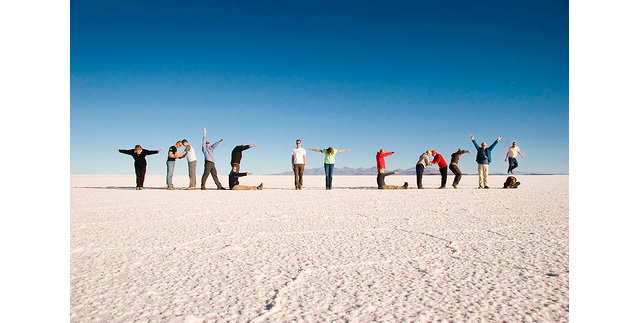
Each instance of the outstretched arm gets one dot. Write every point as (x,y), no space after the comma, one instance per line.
(215,145)
(343,150)
(150,152)
(387,153)
(317,150)
(495,143)
(126,151)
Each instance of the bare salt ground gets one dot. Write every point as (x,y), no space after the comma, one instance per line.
(315,255)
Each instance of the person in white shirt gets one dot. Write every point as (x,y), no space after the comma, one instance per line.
(298,161)
(511,155)
(423,162)
(192,161)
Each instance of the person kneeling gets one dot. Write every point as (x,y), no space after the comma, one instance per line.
(234,182)
(383,186)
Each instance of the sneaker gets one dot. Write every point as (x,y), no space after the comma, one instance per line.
(441,187)
(405,185)
(259,186)
(455,186)
(171,188)
(221,188)
(203,188)
(480,187)
(486,187)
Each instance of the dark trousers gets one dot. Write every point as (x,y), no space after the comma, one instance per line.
(298,171)
(210,168)
(419,172)
(443,174)
(513,163)
(456,171)
(140,172)
(328,175)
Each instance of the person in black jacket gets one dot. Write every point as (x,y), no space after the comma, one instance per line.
(236,154)
(140,163)
(234,182)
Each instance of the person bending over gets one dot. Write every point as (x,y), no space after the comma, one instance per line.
(453,166)
(442,166)
(236,154)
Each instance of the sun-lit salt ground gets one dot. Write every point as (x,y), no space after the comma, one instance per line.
(315,255)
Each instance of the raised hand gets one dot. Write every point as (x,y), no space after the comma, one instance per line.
(249,173)
(471,136)
(499,138)
(252,145)
(396,173)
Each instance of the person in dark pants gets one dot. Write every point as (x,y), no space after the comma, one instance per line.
(140,163)
(236,154)
(329,163)
(423,162)
(383,186)
(512,152)
(442,165)
(453,166)
(209,164)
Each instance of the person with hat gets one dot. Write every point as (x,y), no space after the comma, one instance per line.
(209,164)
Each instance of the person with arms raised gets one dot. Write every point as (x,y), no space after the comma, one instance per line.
(483,158)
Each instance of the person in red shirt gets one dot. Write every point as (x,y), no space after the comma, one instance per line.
(380,159)
(442,164)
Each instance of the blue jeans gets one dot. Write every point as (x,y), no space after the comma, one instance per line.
(170,165)
(328,174)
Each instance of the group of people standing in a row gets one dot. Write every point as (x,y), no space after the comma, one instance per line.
(299,161)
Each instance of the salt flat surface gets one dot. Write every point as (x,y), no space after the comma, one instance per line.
(315,255)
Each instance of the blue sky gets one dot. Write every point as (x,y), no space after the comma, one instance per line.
(403,75)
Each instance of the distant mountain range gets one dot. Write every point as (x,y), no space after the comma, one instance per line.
(374,171)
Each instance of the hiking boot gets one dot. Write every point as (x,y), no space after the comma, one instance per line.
(221,188)
(486,187)
(259,186)
(441,187)
(203,188)
(171,188)
(455,186)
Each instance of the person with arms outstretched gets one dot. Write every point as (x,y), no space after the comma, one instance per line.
(234,182)
(209,164)
(423,162)
(453,166)
(380,155)
(483,158)
(298,161)
(140,163)
(329,163)
(383,186)
(442,166)
(511,155)
(236,154)
(172,155)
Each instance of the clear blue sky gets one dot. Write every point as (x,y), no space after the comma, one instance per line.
(403,75)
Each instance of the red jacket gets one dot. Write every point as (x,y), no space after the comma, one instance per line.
(438,159)
(380,159)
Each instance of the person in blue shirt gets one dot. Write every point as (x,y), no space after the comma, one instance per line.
(209,164)
(234,182)
(483,158)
